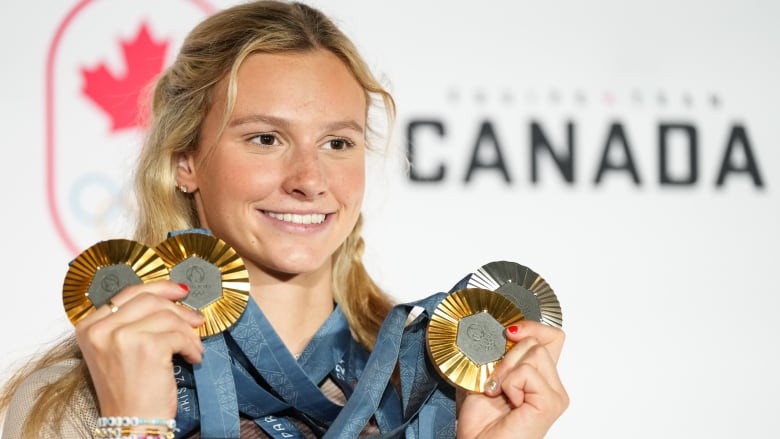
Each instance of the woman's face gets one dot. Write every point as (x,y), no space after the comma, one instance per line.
(284,182)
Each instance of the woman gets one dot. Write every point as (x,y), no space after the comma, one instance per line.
(259,133)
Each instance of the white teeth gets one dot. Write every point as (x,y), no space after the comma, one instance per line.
(311,218)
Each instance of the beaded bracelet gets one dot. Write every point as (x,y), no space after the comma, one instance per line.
(134,421)
(126,427)
(128,433)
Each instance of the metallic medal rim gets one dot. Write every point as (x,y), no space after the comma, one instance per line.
(224,312)
(493,275)
(141,259)
(451,363)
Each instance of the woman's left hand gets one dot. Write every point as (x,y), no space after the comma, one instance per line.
(524,395)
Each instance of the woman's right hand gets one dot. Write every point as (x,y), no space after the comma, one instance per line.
(129,352)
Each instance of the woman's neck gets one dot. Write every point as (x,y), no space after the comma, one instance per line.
(296,306)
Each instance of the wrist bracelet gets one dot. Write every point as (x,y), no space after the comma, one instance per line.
(128,433)
(133,427)
(134,421)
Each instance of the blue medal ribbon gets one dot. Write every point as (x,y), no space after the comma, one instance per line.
(264,378)
(373,395)
(270,358)
(249,370)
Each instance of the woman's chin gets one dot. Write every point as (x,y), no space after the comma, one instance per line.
(291,267)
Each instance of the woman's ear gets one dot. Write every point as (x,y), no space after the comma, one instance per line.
(186,180)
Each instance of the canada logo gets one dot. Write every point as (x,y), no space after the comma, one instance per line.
(102,59)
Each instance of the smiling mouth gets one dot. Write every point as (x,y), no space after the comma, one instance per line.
(309,218)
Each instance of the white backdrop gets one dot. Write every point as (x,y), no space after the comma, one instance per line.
(668,290)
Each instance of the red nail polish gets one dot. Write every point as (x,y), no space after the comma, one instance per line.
(513,329)
(184,287)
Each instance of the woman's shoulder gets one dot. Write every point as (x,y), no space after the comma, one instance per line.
(81,413)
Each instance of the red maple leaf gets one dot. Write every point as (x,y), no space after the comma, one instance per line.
(118,95)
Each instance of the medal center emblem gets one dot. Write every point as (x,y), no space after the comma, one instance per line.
(523,299)
(481,338)
(203,279)
(109,280)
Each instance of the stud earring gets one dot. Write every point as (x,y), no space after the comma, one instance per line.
(183,188)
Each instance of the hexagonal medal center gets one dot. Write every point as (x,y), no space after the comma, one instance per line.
(481,338)
(523,299)
(203,279)
(109,280)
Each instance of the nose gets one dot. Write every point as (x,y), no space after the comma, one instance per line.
(305,177)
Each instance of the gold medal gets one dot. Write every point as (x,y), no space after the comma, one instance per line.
(466,337)
(215,274)
(104,269)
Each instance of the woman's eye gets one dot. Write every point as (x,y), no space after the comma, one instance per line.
(338,144)
(264,139)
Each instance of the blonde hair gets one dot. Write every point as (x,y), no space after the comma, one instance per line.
(182,96)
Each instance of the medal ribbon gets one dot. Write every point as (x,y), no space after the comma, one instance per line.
(372,396)
(265,378)
(248,369)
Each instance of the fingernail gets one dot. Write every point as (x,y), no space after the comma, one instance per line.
(513,329)
(184,287)
(491,385)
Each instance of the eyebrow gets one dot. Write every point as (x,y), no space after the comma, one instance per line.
(284,123)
